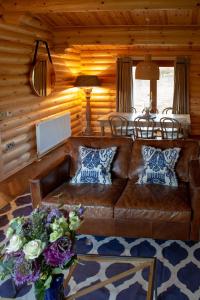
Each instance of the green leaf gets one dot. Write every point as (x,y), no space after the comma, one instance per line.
(48,282)
(57,271)
(39,290)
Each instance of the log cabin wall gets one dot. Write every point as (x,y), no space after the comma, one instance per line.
(20,109)
(101,61)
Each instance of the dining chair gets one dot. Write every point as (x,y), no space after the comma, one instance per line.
(167,109)
(144,128)
(170,129)
(119,126)
(143,111)
(133,110)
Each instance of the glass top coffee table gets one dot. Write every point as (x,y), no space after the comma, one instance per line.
(97,277)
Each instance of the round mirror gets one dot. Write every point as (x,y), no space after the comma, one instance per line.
(42,77)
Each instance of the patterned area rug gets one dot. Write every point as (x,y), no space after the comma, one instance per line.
(177,272)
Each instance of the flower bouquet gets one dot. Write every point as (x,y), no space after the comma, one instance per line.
(40,247)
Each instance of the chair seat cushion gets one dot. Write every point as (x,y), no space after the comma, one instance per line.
(97,199)
(154,202)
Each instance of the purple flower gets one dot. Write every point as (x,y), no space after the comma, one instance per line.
(58,253)
(80,211)
(25,271)
(54,213)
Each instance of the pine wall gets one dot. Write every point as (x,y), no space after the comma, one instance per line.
(20,109)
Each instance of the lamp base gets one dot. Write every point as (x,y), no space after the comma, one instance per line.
(87,132)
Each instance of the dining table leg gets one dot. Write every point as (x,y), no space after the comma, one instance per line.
(102,130)
(186,131)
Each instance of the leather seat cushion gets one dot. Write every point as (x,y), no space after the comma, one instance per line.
(154,202)
(98,199)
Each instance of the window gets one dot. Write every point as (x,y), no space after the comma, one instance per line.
(165,88)
(161,91)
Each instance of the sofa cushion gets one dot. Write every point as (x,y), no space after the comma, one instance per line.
(120,165)
(154,202)
(97,199)
(159,166)
(95,165)
(189,151)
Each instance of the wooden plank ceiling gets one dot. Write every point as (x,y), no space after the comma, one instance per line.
(137,17)
(126,22)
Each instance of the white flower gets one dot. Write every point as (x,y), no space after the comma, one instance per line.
(72,214)
(9,232)
(33,249)
(15,244)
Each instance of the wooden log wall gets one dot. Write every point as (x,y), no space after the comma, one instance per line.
(100,60)
(20,109)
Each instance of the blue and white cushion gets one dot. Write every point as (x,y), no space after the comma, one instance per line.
(95,165)
(159,166)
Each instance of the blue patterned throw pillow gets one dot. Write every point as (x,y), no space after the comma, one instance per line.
(159,166)
(95,165)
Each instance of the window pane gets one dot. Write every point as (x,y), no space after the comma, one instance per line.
(165,88)
(141,93)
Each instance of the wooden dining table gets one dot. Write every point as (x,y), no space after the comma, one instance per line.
(183,119)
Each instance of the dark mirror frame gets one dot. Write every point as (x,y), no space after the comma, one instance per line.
(42,74)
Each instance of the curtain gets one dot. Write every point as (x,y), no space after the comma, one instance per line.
(181,86)
(124,88)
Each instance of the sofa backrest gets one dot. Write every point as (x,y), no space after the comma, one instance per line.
(121,160)
(189,151)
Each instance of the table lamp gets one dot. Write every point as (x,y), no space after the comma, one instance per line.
(87,82)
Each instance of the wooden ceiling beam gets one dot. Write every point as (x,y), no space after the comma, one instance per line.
(127,36)
(59,6)
(146,28)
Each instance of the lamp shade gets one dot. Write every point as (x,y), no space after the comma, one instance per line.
(87,81)
(147,70)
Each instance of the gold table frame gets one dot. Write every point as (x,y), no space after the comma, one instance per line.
(142,262)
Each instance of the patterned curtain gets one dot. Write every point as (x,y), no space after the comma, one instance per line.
(181,86)
(124,88)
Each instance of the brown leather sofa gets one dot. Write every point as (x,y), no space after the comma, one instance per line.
(125,208)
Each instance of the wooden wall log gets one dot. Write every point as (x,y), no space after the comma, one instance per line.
(9,69)
(20,161)
(9,80)
(9,134)
(18,140)
(16,90)
(15,59)
(12,47)
(18,151)
(127,36)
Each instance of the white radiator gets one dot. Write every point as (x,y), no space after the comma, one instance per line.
(51,132)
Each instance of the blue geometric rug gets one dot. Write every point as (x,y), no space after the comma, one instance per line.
(177,272)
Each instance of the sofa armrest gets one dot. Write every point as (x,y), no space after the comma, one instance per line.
(194,173)
(49,180)
(194,183)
